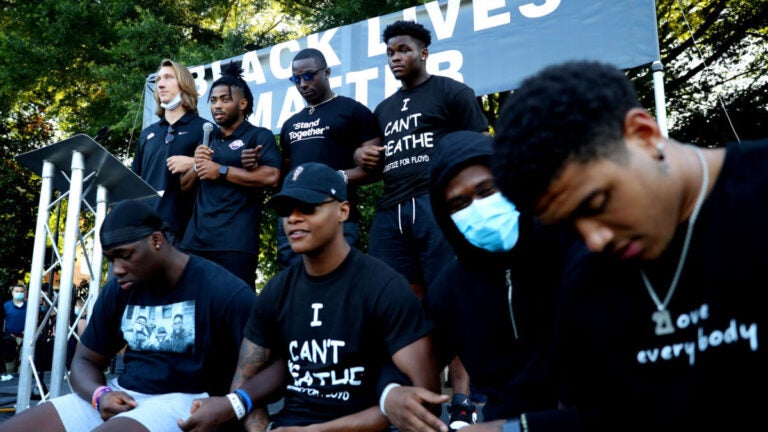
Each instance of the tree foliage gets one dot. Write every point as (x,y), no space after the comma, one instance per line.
(326,14)
(72,66)
(19,192)
(715,56)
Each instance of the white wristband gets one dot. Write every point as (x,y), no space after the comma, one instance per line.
(236,405)
(384,395)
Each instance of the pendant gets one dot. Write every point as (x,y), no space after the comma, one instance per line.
(311,110)
(663,321)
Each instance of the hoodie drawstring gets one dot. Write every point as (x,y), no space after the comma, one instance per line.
(509,301)
(400,216)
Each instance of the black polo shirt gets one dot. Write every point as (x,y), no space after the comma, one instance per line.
(226,216)
(149,163)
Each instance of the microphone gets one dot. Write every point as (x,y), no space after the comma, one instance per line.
(207,129)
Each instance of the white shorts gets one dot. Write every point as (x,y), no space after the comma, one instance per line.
(157,413)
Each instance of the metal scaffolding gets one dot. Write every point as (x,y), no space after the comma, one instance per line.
(90,179)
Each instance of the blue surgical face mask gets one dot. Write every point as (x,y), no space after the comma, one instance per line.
(77,311)
(490,223)
(18,296)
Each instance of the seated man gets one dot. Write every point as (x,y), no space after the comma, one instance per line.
(157,387)
(336,317)
(494,306)
(660,327)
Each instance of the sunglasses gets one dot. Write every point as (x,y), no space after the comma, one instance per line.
(286,209)
(169,136)
(306,76)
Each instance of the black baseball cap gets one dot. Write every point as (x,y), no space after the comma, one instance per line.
(311,183)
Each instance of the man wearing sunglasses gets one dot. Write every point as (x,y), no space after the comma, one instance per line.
(336,317)
(165,148)
(327,130)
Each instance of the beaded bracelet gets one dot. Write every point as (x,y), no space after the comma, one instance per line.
(98,393)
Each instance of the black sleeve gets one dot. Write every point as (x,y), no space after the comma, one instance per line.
(391,374)
(136,162)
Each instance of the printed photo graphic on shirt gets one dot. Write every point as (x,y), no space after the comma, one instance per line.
(167,328)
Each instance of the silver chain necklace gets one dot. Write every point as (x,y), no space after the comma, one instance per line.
(661,316)
(312,107)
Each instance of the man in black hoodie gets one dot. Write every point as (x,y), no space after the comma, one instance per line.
(494,306)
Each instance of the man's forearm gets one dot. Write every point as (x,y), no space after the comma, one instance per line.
(257,420)
(267,386)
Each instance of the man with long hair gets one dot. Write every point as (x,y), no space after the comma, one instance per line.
(165,148)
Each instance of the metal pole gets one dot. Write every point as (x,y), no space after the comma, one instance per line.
(97,256)
(658,91)
(64,303)
(35,285)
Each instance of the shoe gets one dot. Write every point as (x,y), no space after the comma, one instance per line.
(461,413)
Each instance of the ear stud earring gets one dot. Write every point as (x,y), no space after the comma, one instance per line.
(662,158)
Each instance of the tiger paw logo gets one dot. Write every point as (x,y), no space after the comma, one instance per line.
(297,172)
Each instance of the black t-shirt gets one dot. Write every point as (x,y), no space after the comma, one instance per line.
(214,306)
(335,331)
(413,121)
(330,136)
(149,163)
(227,216)
(705,373)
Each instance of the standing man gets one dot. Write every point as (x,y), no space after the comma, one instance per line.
(15,311)
(157,387)
(165,148)
(662,326)
(225,223)
(328,130)
(404,233)
(336,317)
